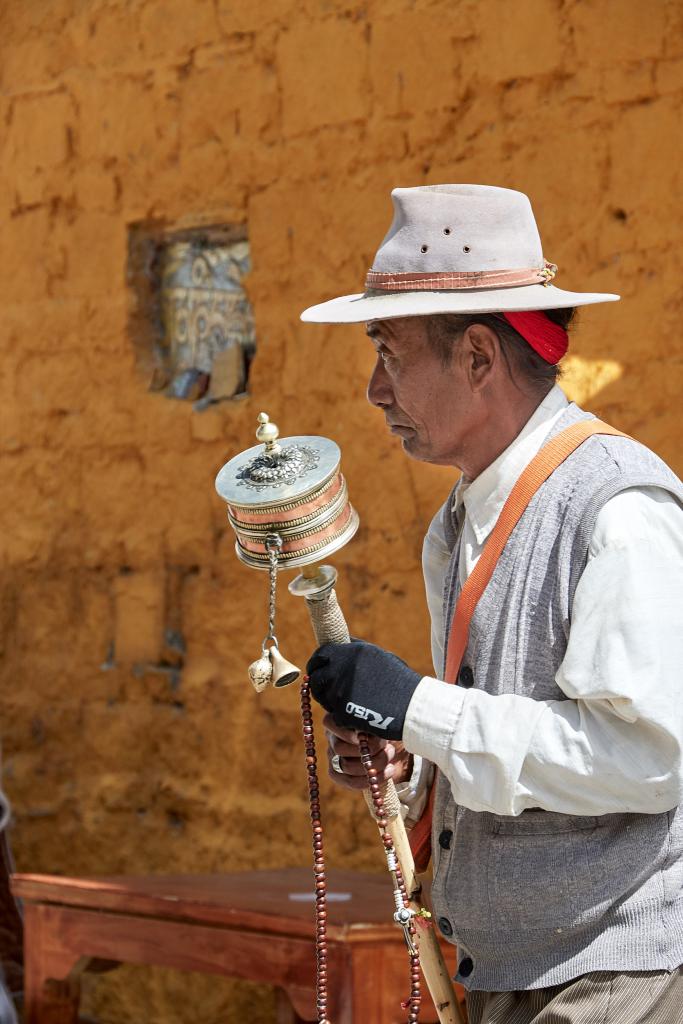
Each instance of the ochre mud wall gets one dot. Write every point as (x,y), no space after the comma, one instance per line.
(122,753)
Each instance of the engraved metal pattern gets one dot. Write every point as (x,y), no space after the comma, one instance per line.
(267,510)
(312,465)
(288,466)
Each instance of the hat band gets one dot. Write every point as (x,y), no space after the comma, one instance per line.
(454,280)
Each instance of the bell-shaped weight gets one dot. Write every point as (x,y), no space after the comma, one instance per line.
(261,672)
(284,672)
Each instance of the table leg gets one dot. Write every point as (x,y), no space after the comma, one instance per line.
(380,981)
(284,1011)
(52,976)
(54,1002)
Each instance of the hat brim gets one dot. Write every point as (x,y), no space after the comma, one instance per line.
(354,309)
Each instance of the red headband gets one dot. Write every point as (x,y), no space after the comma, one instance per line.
(545,337)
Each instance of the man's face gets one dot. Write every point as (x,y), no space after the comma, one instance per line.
(428,405)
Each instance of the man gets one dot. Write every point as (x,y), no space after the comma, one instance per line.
(557,838)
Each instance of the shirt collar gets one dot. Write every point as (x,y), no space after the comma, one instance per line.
(485,496)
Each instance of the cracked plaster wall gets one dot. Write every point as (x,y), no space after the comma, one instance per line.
(132,741)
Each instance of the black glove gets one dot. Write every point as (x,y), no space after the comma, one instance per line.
(363,687)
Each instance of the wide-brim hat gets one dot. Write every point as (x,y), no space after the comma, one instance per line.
(456,249)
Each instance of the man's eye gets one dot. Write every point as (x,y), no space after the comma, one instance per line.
(386,357)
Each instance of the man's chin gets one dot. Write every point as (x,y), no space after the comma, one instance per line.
(412,447)
(415,449)
(412,444)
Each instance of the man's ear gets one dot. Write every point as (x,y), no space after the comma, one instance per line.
(481,351)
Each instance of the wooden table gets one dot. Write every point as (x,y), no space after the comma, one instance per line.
(256,925)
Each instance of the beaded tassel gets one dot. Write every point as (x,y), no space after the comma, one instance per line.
(318,856)
(404,914)
(412,1004)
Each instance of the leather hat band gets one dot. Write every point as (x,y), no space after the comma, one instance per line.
(454,281)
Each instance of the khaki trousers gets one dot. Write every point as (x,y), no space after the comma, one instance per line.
(602,997)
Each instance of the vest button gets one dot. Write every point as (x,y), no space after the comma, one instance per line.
(445,839)
(466,677)
(466,967)
(446,926)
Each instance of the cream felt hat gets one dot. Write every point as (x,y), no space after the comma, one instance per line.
(455,249)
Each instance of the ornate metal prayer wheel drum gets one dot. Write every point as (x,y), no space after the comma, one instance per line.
(291,489)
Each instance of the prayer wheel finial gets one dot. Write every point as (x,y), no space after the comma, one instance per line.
(268,433)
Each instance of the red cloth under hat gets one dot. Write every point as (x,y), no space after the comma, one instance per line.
(545,337)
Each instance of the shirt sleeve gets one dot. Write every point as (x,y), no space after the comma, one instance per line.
(617,743)
(413,793)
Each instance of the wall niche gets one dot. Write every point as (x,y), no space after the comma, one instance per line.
(191,321)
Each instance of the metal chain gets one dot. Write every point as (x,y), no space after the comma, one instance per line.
(273,546)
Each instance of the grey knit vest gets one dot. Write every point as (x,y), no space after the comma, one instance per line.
(538,899)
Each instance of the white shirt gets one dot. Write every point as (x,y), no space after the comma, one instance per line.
(617,743)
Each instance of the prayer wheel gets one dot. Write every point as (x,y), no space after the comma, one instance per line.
(289,506)
(291,489)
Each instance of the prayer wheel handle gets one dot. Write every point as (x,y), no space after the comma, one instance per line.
(316,585)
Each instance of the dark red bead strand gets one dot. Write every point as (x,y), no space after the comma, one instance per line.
(318,855)
(412,1004)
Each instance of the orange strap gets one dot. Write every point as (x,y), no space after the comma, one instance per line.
(551,455)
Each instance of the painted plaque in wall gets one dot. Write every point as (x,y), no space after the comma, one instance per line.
(207,319)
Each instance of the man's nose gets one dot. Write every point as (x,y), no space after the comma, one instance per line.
(379,389)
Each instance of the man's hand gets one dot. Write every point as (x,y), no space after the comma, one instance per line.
(390,758)
(363,687)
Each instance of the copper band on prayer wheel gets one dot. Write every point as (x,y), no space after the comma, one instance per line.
(302,543)
(276,516)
